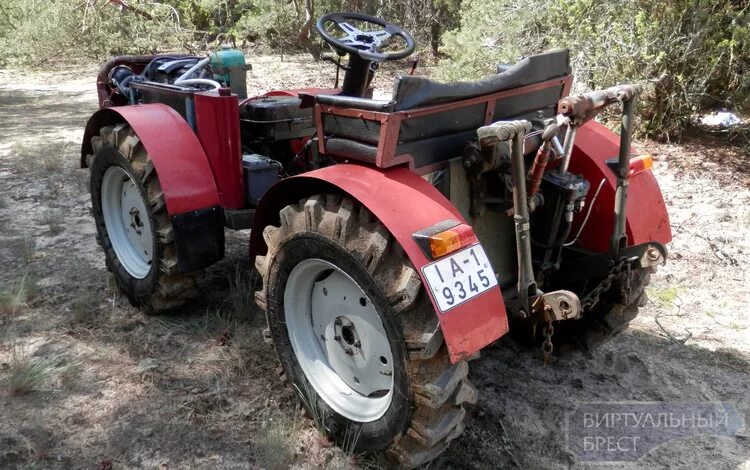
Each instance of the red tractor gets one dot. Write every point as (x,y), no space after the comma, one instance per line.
(395,238)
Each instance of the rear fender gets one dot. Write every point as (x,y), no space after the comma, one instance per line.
(190,193)
(405,203)
(647,218)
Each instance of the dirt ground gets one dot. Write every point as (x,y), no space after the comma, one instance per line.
(200,389)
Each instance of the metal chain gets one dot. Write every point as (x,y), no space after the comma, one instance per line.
(593,297)
(547,347)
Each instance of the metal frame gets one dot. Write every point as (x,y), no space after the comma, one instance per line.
(391,122)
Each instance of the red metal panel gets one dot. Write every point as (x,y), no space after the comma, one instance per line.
(218,127)
(647,218)
(179,160)
(405,203)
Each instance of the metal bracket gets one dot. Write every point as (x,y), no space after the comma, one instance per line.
(557,306)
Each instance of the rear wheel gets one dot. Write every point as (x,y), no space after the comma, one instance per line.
(356,334)
(616,308)
(132,223)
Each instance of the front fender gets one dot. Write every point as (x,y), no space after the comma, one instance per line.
(190,193)
(405,203)
(179,160)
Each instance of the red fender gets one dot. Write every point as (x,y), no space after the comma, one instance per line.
(405,203)
(179,160)
(647,218)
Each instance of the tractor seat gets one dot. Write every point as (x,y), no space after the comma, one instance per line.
(411,92)
(435,137)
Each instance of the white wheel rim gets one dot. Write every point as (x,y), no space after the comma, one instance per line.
(325,317)
(127,222)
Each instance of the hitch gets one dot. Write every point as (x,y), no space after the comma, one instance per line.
(582,108)
(515,131)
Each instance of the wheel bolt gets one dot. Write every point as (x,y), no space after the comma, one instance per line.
(349,351)
(357,344)
(337,338)
(338,322)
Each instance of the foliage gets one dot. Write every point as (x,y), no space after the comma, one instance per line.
(34,32)
(693,54)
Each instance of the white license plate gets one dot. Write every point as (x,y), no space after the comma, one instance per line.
(459,277)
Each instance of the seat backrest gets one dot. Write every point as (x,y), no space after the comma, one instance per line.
(411,92)
(434,136)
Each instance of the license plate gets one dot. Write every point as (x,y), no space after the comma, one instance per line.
(459,277)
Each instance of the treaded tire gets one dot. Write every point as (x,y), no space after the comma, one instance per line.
(616,309)
(430,396)
(610,317)
(163,288)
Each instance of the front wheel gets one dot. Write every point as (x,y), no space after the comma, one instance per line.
(356,333)
(132,223)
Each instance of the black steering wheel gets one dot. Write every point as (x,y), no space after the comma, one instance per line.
(365,44)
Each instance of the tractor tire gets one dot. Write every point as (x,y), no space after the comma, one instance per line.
(615,310)
(140,251)
(330,257)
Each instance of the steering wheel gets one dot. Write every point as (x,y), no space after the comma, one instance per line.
(365,44)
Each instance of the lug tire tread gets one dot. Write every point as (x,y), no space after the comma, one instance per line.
(172,289)
(441,391)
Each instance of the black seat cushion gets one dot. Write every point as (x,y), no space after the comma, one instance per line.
(413,92)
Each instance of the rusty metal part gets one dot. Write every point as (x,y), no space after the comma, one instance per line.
(541,159)
(547,347)
(557,306)
(581,108)
(590,300)
(537,169)
(503,131)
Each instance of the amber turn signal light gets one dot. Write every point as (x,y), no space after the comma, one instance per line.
(640,164)
(453,239)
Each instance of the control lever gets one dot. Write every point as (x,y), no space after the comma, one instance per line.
(414,64)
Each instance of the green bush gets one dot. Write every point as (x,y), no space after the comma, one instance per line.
(35,33)
(691,54)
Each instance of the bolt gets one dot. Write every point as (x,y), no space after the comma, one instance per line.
(337,338)
(338,322)
(357,344)
(349,351)
(653,254)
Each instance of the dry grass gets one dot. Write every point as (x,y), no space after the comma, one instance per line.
(84,309)
(13,301)
(24,250)
(53,219)
(26,373)
(273,448)
(52,162)
(241,294)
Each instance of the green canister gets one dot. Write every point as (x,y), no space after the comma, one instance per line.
(229,66)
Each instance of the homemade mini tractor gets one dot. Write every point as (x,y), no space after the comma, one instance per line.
(395,238)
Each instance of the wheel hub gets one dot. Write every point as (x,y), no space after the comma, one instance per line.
(339,340)
(126,221)
(135,221)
